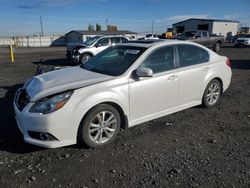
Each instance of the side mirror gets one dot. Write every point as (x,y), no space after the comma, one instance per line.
(144,72)
(97,45)
(197,37)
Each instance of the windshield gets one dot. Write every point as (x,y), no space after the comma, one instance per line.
(189,34)
(114,61)
(91,41)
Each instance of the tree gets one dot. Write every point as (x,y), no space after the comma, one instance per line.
(112,28)
(98,27)
(90,27)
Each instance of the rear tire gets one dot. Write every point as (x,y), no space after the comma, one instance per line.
(100,126)
(212,94)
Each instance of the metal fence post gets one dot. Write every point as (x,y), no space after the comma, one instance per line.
(11,54)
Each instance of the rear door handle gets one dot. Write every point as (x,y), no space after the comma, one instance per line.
(172,77)
(205,69)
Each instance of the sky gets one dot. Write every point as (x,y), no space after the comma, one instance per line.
(22,17)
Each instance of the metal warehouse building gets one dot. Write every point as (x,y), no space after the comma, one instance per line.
(213,26)
(79,36)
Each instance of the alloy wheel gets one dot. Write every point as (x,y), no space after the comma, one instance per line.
(213,93)
(102,127)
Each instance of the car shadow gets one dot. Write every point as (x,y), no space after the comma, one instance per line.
(53,62)
(240,64)
(228,45)
(11,139)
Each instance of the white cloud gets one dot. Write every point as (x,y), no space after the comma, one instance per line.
(185,17)
(232,16)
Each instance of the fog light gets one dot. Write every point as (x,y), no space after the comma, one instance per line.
(44,136)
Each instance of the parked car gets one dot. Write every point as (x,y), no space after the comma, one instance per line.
(237,36)
(244,40)
(71,48)
(202,37)
(93,46)
(149,37)
(123,86)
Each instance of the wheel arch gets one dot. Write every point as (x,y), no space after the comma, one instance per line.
(215,77)
(123,116)
(85,51)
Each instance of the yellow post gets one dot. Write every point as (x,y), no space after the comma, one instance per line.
(11,54)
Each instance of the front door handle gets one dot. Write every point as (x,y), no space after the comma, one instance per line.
(172,77)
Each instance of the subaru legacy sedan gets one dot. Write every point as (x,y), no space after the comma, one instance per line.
(123,86)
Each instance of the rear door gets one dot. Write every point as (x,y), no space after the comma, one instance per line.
(115,40)
(205,39)
(193,66)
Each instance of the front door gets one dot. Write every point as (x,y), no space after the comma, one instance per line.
(150,97)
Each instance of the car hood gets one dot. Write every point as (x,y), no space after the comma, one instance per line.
(62,80)
(243,38)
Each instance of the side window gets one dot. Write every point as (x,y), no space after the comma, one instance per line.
(191,55)
(115,40)
(204,56)
(198,34)
(124,39)
(103,42)
(160,60)
(204,34)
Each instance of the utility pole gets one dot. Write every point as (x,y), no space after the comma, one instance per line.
(41,22)
(152,27)
(107,23)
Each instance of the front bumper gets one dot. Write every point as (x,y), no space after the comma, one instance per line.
(242,43)
(59,124)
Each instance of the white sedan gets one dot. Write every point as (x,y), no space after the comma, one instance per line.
(123,86)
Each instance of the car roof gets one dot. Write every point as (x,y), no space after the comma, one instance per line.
(150,43)
(103,36)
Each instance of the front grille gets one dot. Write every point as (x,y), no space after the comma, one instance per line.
(22,99)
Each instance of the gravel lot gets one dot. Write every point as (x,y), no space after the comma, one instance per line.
(194,148)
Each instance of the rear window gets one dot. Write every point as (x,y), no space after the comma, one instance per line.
(115,40)
(191,55)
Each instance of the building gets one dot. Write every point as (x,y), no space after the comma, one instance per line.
(213,26)
(79,36)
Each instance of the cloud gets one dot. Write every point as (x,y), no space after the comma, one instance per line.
(185,17)
(232,16)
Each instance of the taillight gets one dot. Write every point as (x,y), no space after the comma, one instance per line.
(228,63)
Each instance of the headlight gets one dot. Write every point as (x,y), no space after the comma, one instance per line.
(51,104)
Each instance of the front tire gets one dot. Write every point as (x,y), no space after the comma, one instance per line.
(212,94)
(85,57)
(100,126)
